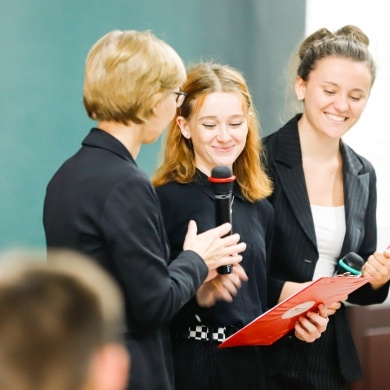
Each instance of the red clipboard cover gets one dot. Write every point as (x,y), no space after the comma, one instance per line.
(281,319)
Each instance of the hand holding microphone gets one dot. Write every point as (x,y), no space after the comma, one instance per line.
(378,267)
(222,181)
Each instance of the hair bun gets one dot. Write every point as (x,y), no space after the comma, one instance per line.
(316,36)
(351,31)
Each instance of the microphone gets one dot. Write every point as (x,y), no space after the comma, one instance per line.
(222,182)
(352,263)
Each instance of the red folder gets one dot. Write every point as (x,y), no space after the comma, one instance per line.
(281,319)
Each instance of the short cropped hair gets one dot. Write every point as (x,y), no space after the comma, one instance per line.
(124,71)
(54,317)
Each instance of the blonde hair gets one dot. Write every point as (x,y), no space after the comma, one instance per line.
(123,73)
(178,158)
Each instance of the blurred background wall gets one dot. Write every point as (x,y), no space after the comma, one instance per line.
(43,45)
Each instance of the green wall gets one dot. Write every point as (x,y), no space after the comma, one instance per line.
(43,48)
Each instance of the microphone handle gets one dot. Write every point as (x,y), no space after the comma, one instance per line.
(223,215)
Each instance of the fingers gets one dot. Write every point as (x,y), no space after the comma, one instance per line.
(220,288)
(332,308)
(230,242)
(212,274)
(323,311)
(215,249)
(377,267)
(240,272)
(230,248)
(310,327)
(226,286)
(192,228)
(223,230)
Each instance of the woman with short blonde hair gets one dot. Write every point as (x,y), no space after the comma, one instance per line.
(100,203)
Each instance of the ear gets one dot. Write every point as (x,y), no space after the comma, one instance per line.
(156,101)
(184,127)
(110,368)
(300,88)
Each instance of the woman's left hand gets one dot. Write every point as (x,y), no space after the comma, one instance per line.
(309,327)
(221,287)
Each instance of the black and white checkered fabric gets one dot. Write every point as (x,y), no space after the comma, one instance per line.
(202,332)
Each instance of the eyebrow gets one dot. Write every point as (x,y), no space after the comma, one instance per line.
(353,90)
(215,117)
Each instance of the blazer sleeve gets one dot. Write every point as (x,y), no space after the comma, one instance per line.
(366,295)
(136,240)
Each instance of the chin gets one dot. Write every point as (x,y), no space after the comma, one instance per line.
(151,140)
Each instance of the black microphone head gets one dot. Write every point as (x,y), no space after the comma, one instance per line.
(222,180)
(352,263)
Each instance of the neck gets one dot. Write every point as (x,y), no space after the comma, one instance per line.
(317,147)
(128,135)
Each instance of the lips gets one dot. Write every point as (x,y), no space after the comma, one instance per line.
(336,118)
(223,149)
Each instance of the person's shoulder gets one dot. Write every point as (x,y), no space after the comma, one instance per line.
(171,185)
(357,159)
(174,190)
(264,206)
(174,187)
(284,130)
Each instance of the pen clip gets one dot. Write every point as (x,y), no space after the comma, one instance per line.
(345,274)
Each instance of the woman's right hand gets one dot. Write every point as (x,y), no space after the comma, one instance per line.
(215,249)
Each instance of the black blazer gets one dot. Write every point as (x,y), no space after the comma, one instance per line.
(100,203)
(294,252)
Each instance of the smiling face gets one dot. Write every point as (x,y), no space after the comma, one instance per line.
(335,96)
(218,130)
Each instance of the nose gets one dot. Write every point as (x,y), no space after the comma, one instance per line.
(341,102)
(223,134)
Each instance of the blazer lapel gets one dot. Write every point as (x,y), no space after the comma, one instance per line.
(288,164)
(356,194)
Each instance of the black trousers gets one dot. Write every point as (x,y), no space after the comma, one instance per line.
(200,365)
(309,366)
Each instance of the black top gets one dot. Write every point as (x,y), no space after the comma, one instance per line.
(253,221)
(101,204)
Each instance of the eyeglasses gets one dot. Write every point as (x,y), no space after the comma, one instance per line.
(180,96)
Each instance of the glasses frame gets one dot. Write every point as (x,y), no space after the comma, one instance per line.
(180,96)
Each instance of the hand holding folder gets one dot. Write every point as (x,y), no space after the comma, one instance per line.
(280,320)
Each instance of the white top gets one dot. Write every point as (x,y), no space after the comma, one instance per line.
(329,224)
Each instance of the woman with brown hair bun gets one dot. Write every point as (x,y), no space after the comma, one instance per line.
(325,204)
